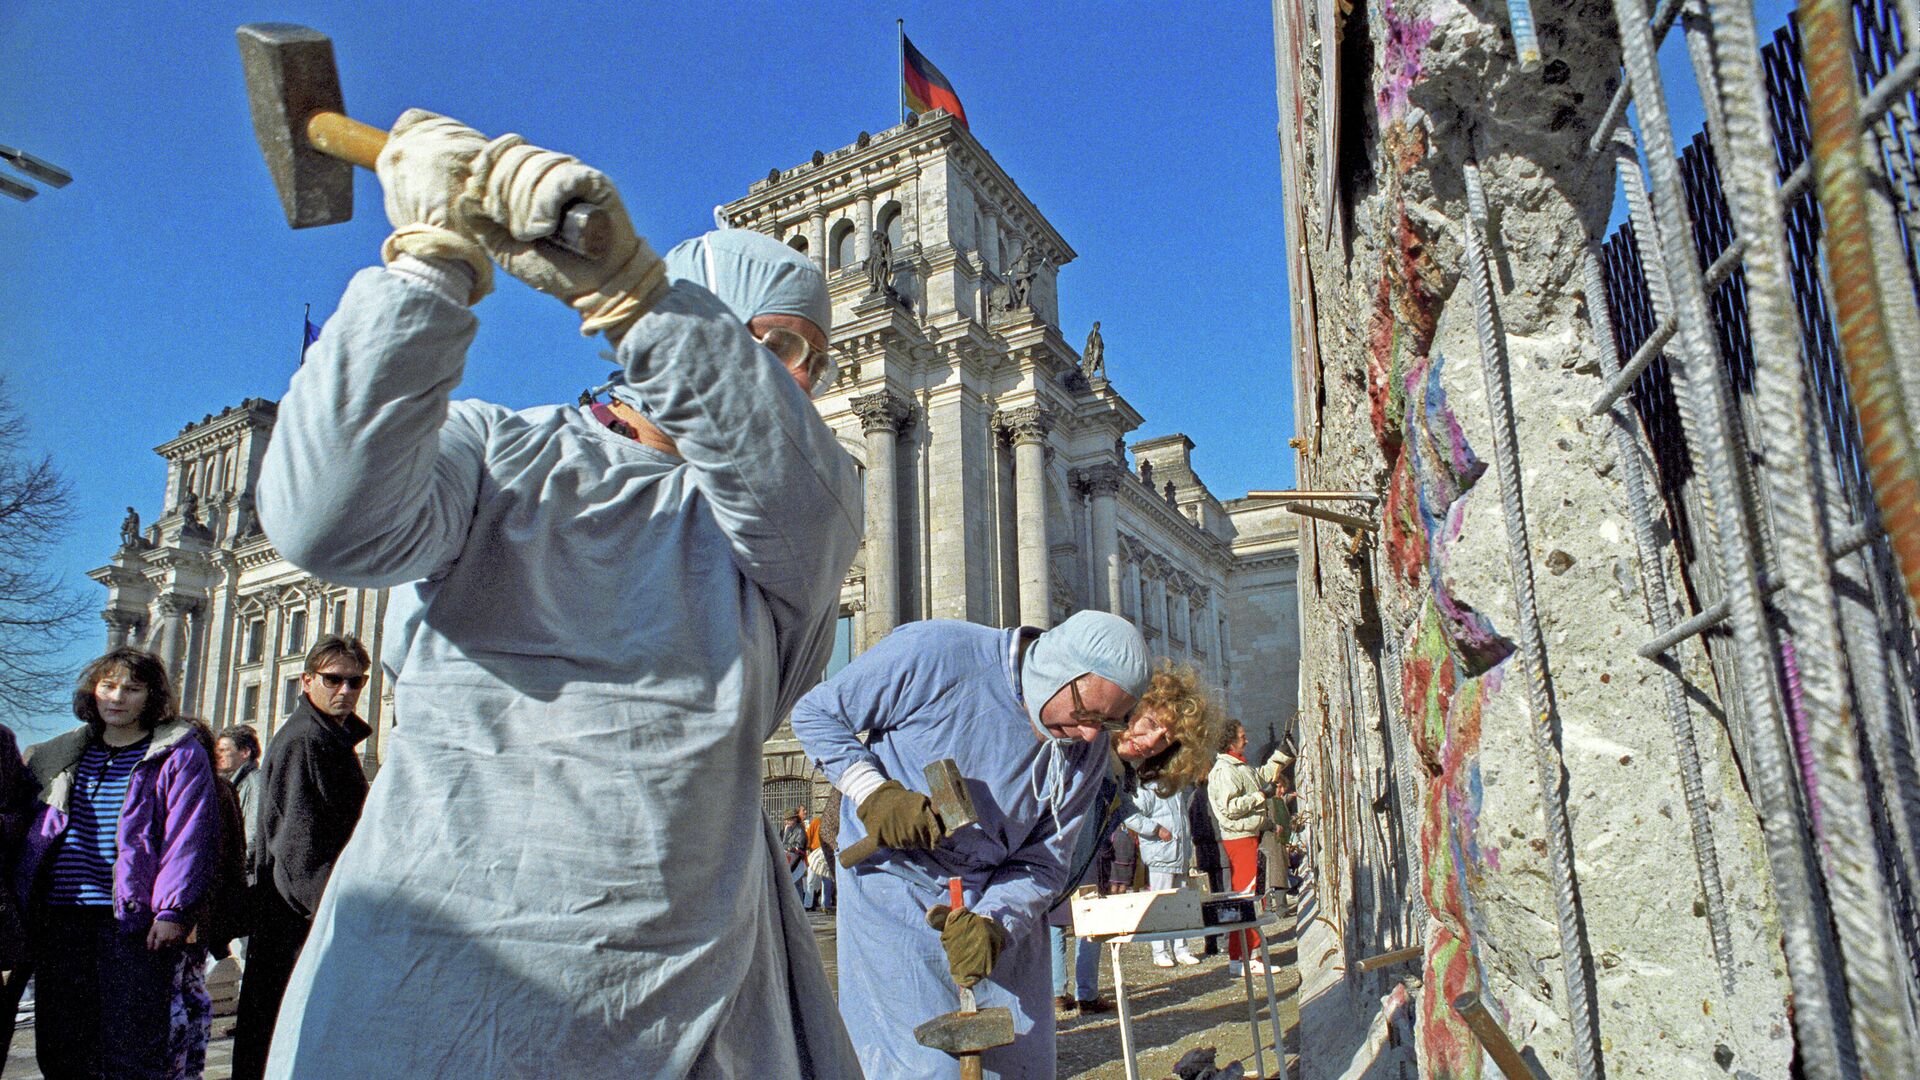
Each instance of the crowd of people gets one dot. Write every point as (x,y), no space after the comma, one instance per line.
(598,614)
(143,849)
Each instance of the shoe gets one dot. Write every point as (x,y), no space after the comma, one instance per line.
(1063,1003)
(1233,968)
(1094,1005)
(1256,967)
(1162,961)
(1187,959)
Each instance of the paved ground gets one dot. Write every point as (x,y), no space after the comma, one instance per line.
(1175,1009)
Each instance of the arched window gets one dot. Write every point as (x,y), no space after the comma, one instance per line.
(798,242)
(842,246)
(890,222)
(784,794)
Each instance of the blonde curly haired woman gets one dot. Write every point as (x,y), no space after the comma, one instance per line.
(1166,748)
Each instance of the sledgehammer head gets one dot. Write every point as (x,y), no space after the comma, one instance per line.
(959,1033)
(290,77)
(947,790)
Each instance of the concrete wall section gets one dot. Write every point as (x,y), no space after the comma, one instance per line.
(1392,400)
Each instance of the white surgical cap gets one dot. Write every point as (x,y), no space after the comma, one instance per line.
(753,274)
(1088,643)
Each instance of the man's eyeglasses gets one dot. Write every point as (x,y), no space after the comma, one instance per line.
(335,682)
(1085,717)
(793,350)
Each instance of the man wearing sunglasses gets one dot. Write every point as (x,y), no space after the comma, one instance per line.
(311,790)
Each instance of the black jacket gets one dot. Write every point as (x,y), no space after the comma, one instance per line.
(311,792)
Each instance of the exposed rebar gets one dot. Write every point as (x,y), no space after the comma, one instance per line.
(1409,800)
(1661,613)
(1526,44)
(1876,973)
(1824,1035)
(1893,460)
(1576,958)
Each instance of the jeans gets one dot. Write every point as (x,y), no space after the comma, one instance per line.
(1164,879)
(103,1000)
(797,870)
(820,885)
(1086,964)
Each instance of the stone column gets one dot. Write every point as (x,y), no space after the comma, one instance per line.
(817,239)
(863,228)
(1160,602)
(990,240)
(1028,427)
(120,626)
(1100,483)
(1137,584)
(882,417)
(1182,617)
(170,637)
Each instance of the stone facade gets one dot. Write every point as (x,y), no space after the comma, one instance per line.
(996,480)
(997,486)
(1417,763)
(204,588)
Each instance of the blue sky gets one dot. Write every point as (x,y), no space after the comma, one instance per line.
(163,284)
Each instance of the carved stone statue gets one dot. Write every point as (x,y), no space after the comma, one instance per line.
(880,265)
(190,508)
(1020,280)
(1168,492)
(1095,354)
(130,529)
(1146,474)
(245,522)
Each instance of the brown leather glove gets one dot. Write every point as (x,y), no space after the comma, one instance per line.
(973,942)
(897,817)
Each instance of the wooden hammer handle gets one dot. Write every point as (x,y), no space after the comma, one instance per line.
(857,853)
(345,138)
(585,229)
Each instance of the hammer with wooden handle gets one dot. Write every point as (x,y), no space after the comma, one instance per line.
(969,1030)
(311,145)
(952,803)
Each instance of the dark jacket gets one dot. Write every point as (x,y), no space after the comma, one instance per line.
(311,792)
(246,785)
(17,788)
(1206,834)
(1112,804)
(225,911)
(167,837)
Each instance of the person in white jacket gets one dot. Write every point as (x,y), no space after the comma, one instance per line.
(1238,793)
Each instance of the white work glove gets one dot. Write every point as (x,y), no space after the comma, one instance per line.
(424,169)
(516,195)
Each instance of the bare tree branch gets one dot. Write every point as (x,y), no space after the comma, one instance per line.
(39,614)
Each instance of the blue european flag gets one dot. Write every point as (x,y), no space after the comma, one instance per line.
(311,335)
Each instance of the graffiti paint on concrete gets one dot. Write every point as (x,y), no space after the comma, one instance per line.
(1452,652)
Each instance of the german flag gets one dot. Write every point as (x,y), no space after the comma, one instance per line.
(926,88)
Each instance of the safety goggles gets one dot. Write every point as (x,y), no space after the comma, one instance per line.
(335,682)
(793,350)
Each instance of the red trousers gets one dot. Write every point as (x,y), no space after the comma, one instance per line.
(1244,857)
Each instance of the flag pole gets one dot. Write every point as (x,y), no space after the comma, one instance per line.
(900,73)
(306,320)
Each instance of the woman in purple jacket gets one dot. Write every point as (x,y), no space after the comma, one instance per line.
(114,871)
